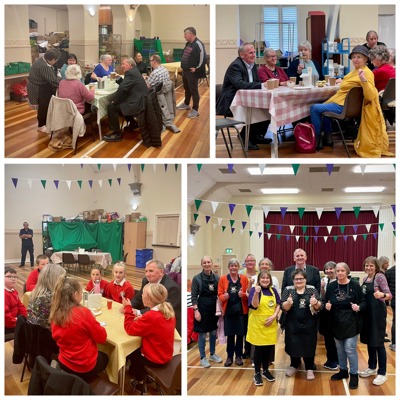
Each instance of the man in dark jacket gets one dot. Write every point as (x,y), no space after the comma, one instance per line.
(193,64)
(242,74)
(129,98)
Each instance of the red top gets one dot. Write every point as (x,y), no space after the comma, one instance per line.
(113,291)
(103,286)
(12,308)
(157,334)
(382,75)
(76,91)
(78,340)
(32,280)
(264,74)
(223,287)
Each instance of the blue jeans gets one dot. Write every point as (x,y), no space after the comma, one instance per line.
(202,343)
(347,350)
(377,354)
(317,109)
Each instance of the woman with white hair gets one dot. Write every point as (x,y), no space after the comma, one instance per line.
(72,88)
(104,68)
(304,61)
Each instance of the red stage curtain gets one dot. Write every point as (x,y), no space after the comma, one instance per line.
(280,249)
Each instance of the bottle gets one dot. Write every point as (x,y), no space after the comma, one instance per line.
(85,299)
(301,60)
(96,287)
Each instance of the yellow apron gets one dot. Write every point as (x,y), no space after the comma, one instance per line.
(257,333)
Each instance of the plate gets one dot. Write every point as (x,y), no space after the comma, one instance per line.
(95,312)
(101,92)
(302,87)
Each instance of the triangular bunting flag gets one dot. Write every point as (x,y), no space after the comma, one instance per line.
(319,211)
(14,181)
(283,211)
(301,212)
(394,225)
(129,167)
(69,184)
(219,221)
(362,167)
(295,168)
(98,166)
(338,211)
(43,181)
(381,226)
(297,238)
(165,167)
(280,227)
(230,168)
(197,203)
(232,221)
(329,228)
(304,228)
(329,168)
(287,238)
(155,168)
(269,235)
(375,235)
(90,181)
(375,209)
(292,228)
(231,207)
(315,238)
(342,227)
(119,181)
(30,183)
(56,182)
(214,205)
(195,216)
(214,226)
(316,229)
(142,167)
(250,233)
(335,238)
(278,237)
(223,228)
(207,219)
(233,230)
(266,210)
(259,234)
(368,227)
(307,237)
(394,209)
(100,182)
(110,182)
(356,211)
(325,239)
(355,237)
(248,209)
(199,167)
(176,167)
(365,236)
(115,167)
(355,228)
(241,231)
(256,225)
(345,238)
(267,227)
(244,223)
(262,167)
(79,184)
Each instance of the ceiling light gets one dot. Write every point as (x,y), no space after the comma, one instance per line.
(365,189)
(271,171)
(375,169)
(280,191)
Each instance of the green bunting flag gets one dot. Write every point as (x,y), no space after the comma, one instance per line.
(356,211)
(232,221)
(197,204)
(142,167)
(295,168)
(199,167)
(43,183)
(248,209)
(301,211)
(304,228)
(195,217)
(381,226)
(110,182)
(80,184)
(223,228)
(342,227)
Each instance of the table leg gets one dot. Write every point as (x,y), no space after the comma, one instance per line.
(121,379)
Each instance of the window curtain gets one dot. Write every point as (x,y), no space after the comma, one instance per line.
(280,242)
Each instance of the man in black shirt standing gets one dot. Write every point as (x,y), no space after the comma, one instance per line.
(193,63)
(26,235)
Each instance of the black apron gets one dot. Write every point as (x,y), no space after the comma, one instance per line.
(301,328)
(373,331)
(233,318)
(207,303)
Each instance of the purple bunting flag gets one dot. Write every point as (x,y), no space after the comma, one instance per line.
(15,181)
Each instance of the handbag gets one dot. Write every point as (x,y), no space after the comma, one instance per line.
(304,134)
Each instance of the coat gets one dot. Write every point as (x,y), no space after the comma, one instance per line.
(236,78)
(167,100)
(312,273)
(150,121)
(131,94)
(372,139)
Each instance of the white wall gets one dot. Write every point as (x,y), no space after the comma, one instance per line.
(161,194)
(49,19)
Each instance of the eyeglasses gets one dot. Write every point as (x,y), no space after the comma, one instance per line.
(11,277)
(299,279)
(250,261)
(275,56)
(151,60)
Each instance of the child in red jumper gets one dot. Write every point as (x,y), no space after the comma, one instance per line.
(76,331)
(12,304)
(156,327)
(119,288)
(95,275)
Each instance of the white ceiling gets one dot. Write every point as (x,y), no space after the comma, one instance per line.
(316,186)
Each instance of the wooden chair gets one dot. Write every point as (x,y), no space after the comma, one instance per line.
(351,111)
(167,378)
(388,101)
(85,261)
(226,123)
(68,260)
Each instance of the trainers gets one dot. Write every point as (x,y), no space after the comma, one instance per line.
(42,129)
(193,114)
(380,380)
(215,358)
(291,371)
(252,362)
(268,376)
(332,365)
(183,106)
(310,375)
(392,347)
(114,137)
(204,363)
(367,372)
(173,128)
(258,380)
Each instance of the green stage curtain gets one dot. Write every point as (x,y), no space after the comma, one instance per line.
(68,236)
(151,46)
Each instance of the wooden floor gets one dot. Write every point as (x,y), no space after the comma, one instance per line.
(12,374)
(219,380)
(23,140)
(286,149)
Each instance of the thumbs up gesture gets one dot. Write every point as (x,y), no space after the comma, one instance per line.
(290,300)
(328,306)
(257,288)
(313,300)
(355,307)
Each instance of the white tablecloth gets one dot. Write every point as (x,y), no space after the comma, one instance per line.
(104,259)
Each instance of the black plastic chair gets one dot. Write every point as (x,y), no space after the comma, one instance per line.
(351,111)
(226,123)
(85,261)
(388,101)
(68,260)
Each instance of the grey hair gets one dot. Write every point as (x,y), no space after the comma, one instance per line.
(380,53)
(369,33)
(73,71)
(268,261)
(392,55)
(267,51)
(233,261)
(382,261)
(156,58)
(343,265)
(131,61)
(103,57)
(243,46)
(305,43)
(159,264)
(329,264)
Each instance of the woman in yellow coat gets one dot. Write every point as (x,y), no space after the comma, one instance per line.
(372,139)
(263,330)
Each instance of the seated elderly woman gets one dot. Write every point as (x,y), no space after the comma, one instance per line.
(392,57)
(270,70)
(296,67)
(72,88)
(379,57)
(104,68)
(372,139)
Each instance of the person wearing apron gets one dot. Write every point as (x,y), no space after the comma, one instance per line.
(301,302)
(204,300)
(376,292)
(262,330)
(344,301)
(232,291)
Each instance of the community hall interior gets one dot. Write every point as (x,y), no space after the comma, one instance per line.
(237,24)
(240,209)
(90,31)
(139,208)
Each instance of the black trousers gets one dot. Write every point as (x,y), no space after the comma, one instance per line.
(330,346)
(45,93)
(262,357)
(138,362)
(394,326)
(113,111)
(190,84)
(257,129)
(24,250)
(308,362)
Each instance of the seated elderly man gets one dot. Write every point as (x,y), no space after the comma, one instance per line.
(242,74)
(155,273)
(165,95)
(129,99)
